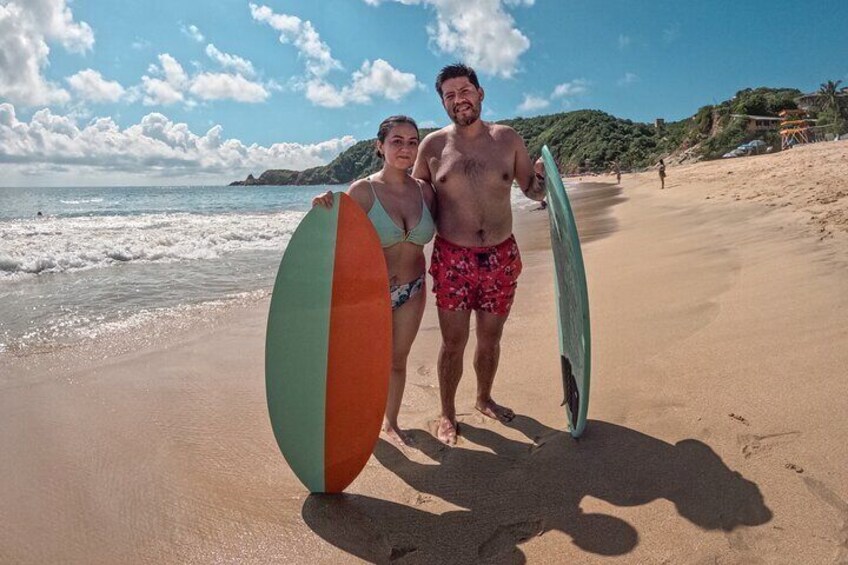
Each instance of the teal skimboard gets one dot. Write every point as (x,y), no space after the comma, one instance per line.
(572,298)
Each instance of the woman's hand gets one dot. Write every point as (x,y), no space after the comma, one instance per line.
(324,199)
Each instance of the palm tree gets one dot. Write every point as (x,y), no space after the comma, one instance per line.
(832,103)
(829,96)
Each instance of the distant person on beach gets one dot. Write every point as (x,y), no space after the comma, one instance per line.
(661,169)
(402,211)
(617,170)
(476,262)
(39,215)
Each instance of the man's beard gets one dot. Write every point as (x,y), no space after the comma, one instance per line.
(471,116)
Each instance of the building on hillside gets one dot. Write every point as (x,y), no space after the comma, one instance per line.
(756,124)
(810,102)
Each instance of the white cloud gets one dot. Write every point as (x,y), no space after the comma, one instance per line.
(56,21)
(232,62)
(92,87)
(301,34)
(157,92)
(623,41)
(480,32)
(562,92)
(572,88)
(532,103)
(192,32)
(173,71)
(167,90)
(154,146)
(628,78)
(377,79)
(222,86)
(140,44)
(26,29)
(169,84)
(371,80)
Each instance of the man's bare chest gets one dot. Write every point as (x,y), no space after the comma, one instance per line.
(486,167)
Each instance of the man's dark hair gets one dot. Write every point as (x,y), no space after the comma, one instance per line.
(455,71)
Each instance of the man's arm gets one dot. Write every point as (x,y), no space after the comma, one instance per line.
(421,169)
(530,177)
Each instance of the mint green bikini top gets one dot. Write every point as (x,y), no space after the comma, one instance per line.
(389,232)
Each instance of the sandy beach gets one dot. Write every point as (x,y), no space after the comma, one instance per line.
(716,431)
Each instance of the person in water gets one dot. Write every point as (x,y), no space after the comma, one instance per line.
(402,210)
(476,262)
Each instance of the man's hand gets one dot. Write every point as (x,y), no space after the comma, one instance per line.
(537,190)
(539,168)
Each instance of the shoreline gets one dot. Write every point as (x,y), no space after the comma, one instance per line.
(717,393)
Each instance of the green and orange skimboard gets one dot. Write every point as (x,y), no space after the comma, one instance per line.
(328,346)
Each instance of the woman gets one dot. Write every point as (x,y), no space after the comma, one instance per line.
(661,168)
(402,210)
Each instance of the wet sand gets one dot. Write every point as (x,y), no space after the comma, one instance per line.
(715,433)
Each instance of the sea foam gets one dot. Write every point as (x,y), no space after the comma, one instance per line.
(51,245)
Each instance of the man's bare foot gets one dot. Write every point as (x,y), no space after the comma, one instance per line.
(446,431)
(396,436)
(496,411)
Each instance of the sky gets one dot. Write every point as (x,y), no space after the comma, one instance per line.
(158,92)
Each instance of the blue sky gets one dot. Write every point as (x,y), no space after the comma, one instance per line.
(164,92)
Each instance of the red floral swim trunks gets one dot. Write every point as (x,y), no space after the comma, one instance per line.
(475,278)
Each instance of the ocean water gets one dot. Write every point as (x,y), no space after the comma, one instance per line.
(107,260)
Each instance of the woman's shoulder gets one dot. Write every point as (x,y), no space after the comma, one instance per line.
(360,191)
(360,185)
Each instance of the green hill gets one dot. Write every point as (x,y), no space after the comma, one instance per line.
(590,140)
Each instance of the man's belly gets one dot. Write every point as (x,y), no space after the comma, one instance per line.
(474,234)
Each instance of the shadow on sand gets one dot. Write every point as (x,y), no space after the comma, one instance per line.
(520,490)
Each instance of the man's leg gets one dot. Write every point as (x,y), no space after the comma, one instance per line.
(489,332)
(455,328)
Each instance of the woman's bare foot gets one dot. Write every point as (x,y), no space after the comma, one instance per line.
(446,430)
(396,436)
(492,410)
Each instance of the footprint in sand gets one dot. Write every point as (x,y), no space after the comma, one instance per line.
(739,418)
(758,445)
(421,499)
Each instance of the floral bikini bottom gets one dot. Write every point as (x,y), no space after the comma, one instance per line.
(401,293)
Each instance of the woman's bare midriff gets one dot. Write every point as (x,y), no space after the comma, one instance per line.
(405,262)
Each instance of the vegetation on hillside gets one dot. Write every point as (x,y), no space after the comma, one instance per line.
(832,104)
(716,130)
(590,140)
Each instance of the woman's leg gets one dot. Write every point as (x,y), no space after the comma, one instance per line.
(405,323)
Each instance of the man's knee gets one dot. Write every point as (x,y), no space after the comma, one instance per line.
(489,333)
(454,342)
(488,347)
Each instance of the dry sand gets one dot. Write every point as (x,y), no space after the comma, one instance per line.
(717,410)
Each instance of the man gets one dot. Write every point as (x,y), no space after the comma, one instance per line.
(476,263)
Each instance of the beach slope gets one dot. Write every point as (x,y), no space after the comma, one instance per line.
(716,418)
